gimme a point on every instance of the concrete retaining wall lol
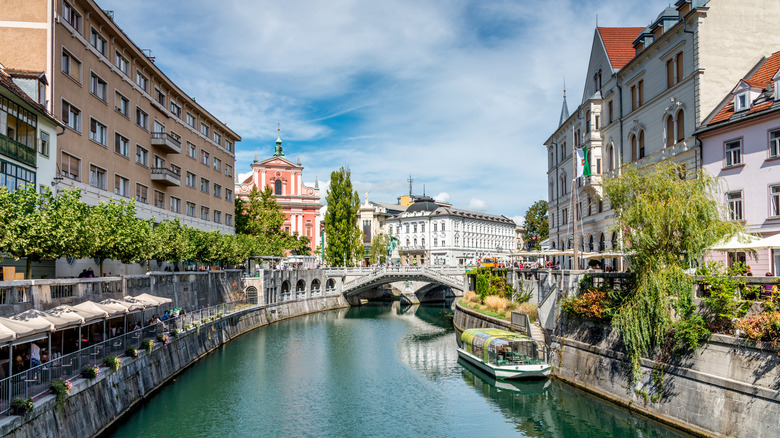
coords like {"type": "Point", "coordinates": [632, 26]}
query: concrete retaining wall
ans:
{"type": "Point", "coordinates": [96, 404]}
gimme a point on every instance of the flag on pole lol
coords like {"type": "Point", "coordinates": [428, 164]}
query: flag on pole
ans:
{"type": "Point", "coordinates": [583, 167]}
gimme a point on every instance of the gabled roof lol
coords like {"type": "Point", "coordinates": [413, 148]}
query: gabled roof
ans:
{"type": "Point", "coordinates": [758, 78]}
{"type": "Point", "coordinates": [7, 81]}
{"type": "Point", "coordinates": [619, 44]}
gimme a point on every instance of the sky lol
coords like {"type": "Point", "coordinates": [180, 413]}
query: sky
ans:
{"type": "Point", "coordinates": [460, 95]}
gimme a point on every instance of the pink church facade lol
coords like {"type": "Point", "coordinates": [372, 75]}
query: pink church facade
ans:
{"type": "Point", "coordinates": [300, 203]}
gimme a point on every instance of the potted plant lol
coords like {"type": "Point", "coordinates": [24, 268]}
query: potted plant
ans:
{"type": "Point", "coordinates": [132, 352]}
{"type": "Point", "coordinates": [21, 406]}
{"type": "Point", "coordinates": [187, 327]}
{"type": "Point", "coordinates": [113, 362]}
{"type": "Point", "coordinates": [147, 345]}
{"type": "Point", "coordinates": [90, 371]}
{"type": "Point", "coordinates": [61, 388]}
{"type": "Point", "coordinates": [175, 333]}
{"type": "Point", "coordinates": [162, 337]}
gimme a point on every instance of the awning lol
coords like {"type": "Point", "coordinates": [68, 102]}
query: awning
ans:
{"type": "Point", "coordinates": [64, 317]}
{"type": "Point", "coordinates": [605, 255]}
{"type": "Point", "coordinates": [90, 311]}
{"type": "Point", "coordinates": [129, 307]}
{"type": "Point", "coordinates": [6, 334]}
{"type": "Point", "coordinates": [148, 300]}
{"type": "Point", "coordinates": [739, 242]}
{"type": "Point", "coordinates": [113, 309]}
{"type": "Point", "coordinates": [24, 328]}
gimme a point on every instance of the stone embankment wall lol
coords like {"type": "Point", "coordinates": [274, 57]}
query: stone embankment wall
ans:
{"type": "Point", "coordinates": [466, 318]}
{"type": "Point", "coordinates": [94, 405]}
{"type": "Point", "coordinates": [728, 388]}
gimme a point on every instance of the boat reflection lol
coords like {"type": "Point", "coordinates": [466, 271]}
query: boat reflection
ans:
{"type": "Point", "coordinates": [477, 377]}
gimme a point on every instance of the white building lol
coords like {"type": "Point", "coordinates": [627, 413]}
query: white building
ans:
{"type": "Point", "coordinates": [646, 92]}
{"type": "Point", "coordinates": [434, 234]}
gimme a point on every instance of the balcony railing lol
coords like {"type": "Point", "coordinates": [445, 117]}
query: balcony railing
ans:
{"type": "Point", "coordinates": [18, 151]}
{"type": "Point", "coordinates": [166, 176]}
{"type": "Point", "coordinates": [166, 141]}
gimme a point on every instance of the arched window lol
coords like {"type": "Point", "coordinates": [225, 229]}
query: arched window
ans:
{"type": "Point", "coordinates": [415, 241]}
{"type": "Point", "coordinates": [641, 144]}
{"type": "Point", "coordinates": [602, 247]}
{"type": "Point", "coordinates": [680, 125]}
{"type": "Point", "coordinates": [422, 242]}
{"type": "Point", "coordinates": [562, 188]}
{"type": "Point", "coordinates": [278, 187]}
{"type": "Point", "coordinates": [669, 131]}
{"type": "Point", "coordinates": [633, 148]}
{"type": "Point", "coordinates": [590, 243]}
{"type": "Point", "coordinates": [610, 157]}
{"type": "Point", "coordinates": [614, 241]}
{"type": "Point", "coordinates": [587, 121]}
{"type": "Point", "coordinates": [407, 242]}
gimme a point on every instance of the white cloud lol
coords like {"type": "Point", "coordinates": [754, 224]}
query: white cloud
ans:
{"type": "Point", "coordinates": [519, 220]}
{"type": "Point", "coordinates": [243, 176]}
{"type": "Point", "coordinates": [442, 197]}
{"type": "Point", "coordinates": [477, 205]}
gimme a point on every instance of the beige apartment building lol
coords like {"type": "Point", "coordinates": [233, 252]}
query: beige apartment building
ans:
{"type": "Point", "coordinates": [131, 132]}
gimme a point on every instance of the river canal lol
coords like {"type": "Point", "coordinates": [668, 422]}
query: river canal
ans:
{"type": "Point", "coordinates": [379, 371]}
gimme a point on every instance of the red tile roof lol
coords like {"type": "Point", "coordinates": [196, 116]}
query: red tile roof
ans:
{"type": "Point", "coordinates": [767, 70]}
{"type": "Point", "coordinates": [619, 42]}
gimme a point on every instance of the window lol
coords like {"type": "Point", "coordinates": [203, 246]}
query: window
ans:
{"type": "Point", "coordinates": [679, 62]}
{"type": "Point", "coordinates": [741, 102]}
{"type": "Point", "coordinates": [774, 197]}
{"type": "Point", "coordinates": [633, 148]}
{"type": "Point", "coordinates": [141, 155]}
{"type": "Point", "coordinates": [670, 73]}
{"type": "Point", "coordinates": [204, 213]}
{"type": "Point", "coordinates": [97, 131]}
{"type": "Point", "coordinates": [97, 41]}
{"type": "Point", "coordinates": [228, 195]}
{"type": "Point", "coordinates": [733, 152]}
{"type": "Point", "coordinates": [141, 193]}
{"type": "Point", "coordinates": [190, 209]}
{"type": "Point", "coordinates": [597, 122]}
{"type": "Point", "coordinates": [71, 16]}
{"type": "Point", "coordinates": [229, 220]}
{"type": "Point", "coordinates": [158, 127]}
{"type": "Point", "coordinates": [669, 131]}
{"type": "Point", "coordinates": [71, 66]}
{"type": "Point", "coordinates": [159, 199]}
{"type": "Point", "coordinates": [97, 177]}
{"type": "Point", "coordinates": [43, 148]}
{"type": "Point", "coordinates": [217, 190]}
{"type": "Point", "coordinates": [175, 204]}
{"type": "Point", "coordinates": [204, 129]}
{"type": "Point", "coordinates": [217, 164]}
{"type": "Point", "coordinates": [642, 144]}
{"type": "Point", "coordinates": [176, 169]}
{"type": "Point", "coordinates": [190, 181]}
{"type": "Point", "coordinates": [435, 226]}
{"type": "Point", "coordinates": [229, 168]}
{"type": "Point", "coordinates": [633, 97]}
{"type": "Point", "coordinates": [734, 200]}
{"type": "Point", "coordinates": [98, 87]}
{"type": "Point", "coordinates": [204, 185]}
{"type": "Point", "coordinates": [587, 121]}
{"type": "Point", "coordinates": [680, 125]}
{"type": "Point", "coordinates": [159, 96]}
{"type": "Point", "coordinates": [229, 146]}
{"type": "Point", "coordinates": [70, 166]}
{"type": "Point", "coordinates": [422, 227]}
{"type": "Point", "coordinates": [142, 81]}
{"type": "Point", "coordinates": [121, 63]}
{"type": "Point", "coordinates": [774, 143]}
{"type": "Point", "coordinates": [175, 109]}
{"type": "Point", "coordinates": [192, 151]}
{"type": "Point", "coordinates": [71, 116]}
{"type": "Point", "coordinates": [121, 185]}
{"type": "Point", "coordinates": [217, 216]}
{"type": "Point", "coordinates": [122, 104]}
{"type": "Point", "coordinates": [191, 120]}
{"type": "Point", "coordinates": [610, 112]}
{"type": "Point", "coordinates": [121, 145]}
{"type": "Point", "coordinates": [640, 89]}
{"type": "Point", "coordinates": [141, 118]}
{"type": "Point", "coordinates": [159, 162]}
{"type": "Point", "coordinates": [217, 139]}
{"type": "Point", "coordinates": [204, 157]}
{"type": "Point", "coordinates": [442, 227]}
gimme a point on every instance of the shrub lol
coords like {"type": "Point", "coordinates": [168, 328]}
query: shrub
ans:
{"type": "Point", "coordinates": [761, 327]}
{"type": "Point", "coordinates": [532, 310]}
{"type": "Point", "coordinates": [132, 352]}
{"type": "Point", "coordinates": [90, 371]}
{"type": "Point", "coordinates": [61, 388]}
{"type": "Point", "coordinates": [472, 297]}
{"type": "Point", "coordinates": [162, 337]}
{"type": "Point", "coordinates": [148, 345]}
{"type": "Point", "coordinates": [175, 333]}
{"type": "Point", "coordinates": [22, 405]}
{"type": "Point", "coordinates": [187, 327]}
{"type": "Point", "coordinates": [591, 304]}
{"type": "Point", "coordinates": [113, 362]}
{"type": "Point", "coordinates": [496, 304]}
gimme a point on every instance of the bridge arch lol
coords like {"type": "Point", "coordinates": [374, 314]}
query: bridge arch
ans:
{"type": "Point", "coordinates": [300, 286]}
{"type": "Point", "coordinates": [285, 287]}
{"type": "Point", "coordinates": [330, 284]}
{"type": "Point", "coordinates": [315, 284]}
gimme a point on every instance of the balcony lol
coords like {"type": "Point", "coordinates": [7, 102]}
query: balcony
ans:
{"type": "Point", "coordinates": [166, 176]}
{"type": "Point", "coordinates": [592, 185]}
{"type": "Point", "coordinates": [167, 142]}
{"type": "Point", "coordinates": [18, 151]}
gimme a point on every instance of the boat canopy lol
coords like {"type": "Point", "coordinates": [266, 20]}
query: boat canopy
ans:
{"type": "Point", "coordinates": [500, 347]}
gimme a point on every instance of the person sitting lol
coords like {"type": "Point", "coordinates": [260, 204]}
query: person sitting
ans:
{"type": "Point", "coordinates": [18, 365]}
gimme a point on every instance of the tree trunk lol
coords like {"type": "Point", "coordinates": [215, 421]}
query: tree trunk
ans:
{"type": "Point", "coordinates": [101, 267]}
{"type": "Point", "coordinates": [28, 269]}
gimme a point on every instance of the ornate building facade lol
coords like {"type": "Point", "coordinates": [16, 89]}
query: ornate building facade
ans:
{"type": "Point", "coordinates": [300, 203]}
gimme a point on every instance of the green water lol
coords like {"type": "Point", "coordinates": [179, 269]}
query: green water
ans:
{"type": "Point", "coordinates": [383, 371]}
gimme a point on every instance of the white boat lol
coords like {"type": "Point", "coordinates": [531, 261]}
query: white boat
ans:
{"type": "Point", "coordinates": [503, 354]}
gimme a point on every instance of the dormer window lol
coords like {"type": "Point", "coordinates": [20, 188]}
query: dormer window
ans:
{"type": "Point", "coordinates": [741, 102]}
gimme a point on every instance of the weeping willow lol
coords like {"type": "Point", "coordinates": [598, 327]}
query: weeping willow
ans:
{"type": "Point", "coordinates": [667, 222]}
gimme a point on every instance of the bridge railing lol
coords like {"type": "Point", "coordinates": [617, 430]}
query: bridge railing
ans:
{"type": "Point", "coordinates": [427, 271]}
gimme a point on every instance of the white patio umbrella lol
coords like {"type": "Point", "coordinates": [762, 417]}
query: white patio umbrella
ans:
{"type": "Point", "coordinates": [739, 242]}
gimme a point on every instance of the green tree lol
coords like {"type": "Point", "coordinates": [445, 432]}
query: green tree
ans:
{"type": "Point", "coordinates": [378, 250]}
{"type": "Point", "coordinates": [667, 224]}
{"type": "Point", "coordinates": [262, 217]}
{"type": "Point", "coordinates": [114, 233]}
{"type": "Point", "coordinates": [169, 241]}
{"type": "Point", "coordinates": [343, 236]}
{"type": "Point", "coordinates": [536, 225]}
{"type": "Point", "coordinates": [38, 226]}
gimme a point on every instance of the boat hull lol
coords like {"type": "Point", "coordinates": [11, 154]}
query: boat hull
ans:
{"type": "Point", "coordinates": [508, 371]}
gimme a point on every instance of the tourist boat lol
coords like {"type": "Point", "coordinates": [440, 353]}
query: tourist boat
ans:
{"type": "Point", "coordinates": [503, 354]}
{"type": "Point", "coordinates": [472, 374]}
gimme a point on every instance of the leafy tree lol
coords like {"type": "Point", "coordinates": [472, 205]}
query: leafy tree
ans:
{"type": "Point", "coordinates": [40, 225]}
{"type": "Point", "coordinates": [300, 244]}
{"type": "Point", "coordinates": [378, 250]}
{"type": "Point", "coordinates": [667, 224]}
{"type": "Point", "coordinates": [261, 216]}
{"type": "Point", "coordinates": [169, 241]}
{"type": "Point", "coordinates": [536, 225]}
{"type": "Point", "coordinates": [343, 236]}
{"type": "Point", "coordinates": [114, 233]}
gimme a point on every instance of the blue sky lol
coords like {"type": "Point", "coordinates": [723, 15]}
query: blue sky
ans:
{"type": "Point", "coordinates": [459, 94]}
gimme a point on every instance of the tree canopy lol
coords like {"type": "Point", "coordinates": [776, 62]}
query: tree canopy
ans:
{"type": "Point", "coordinates": [262, 217]}
{"type": "Point", "coordinates": [343, 245]}
{"type": "Point", "coordinates": [536, 225]}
